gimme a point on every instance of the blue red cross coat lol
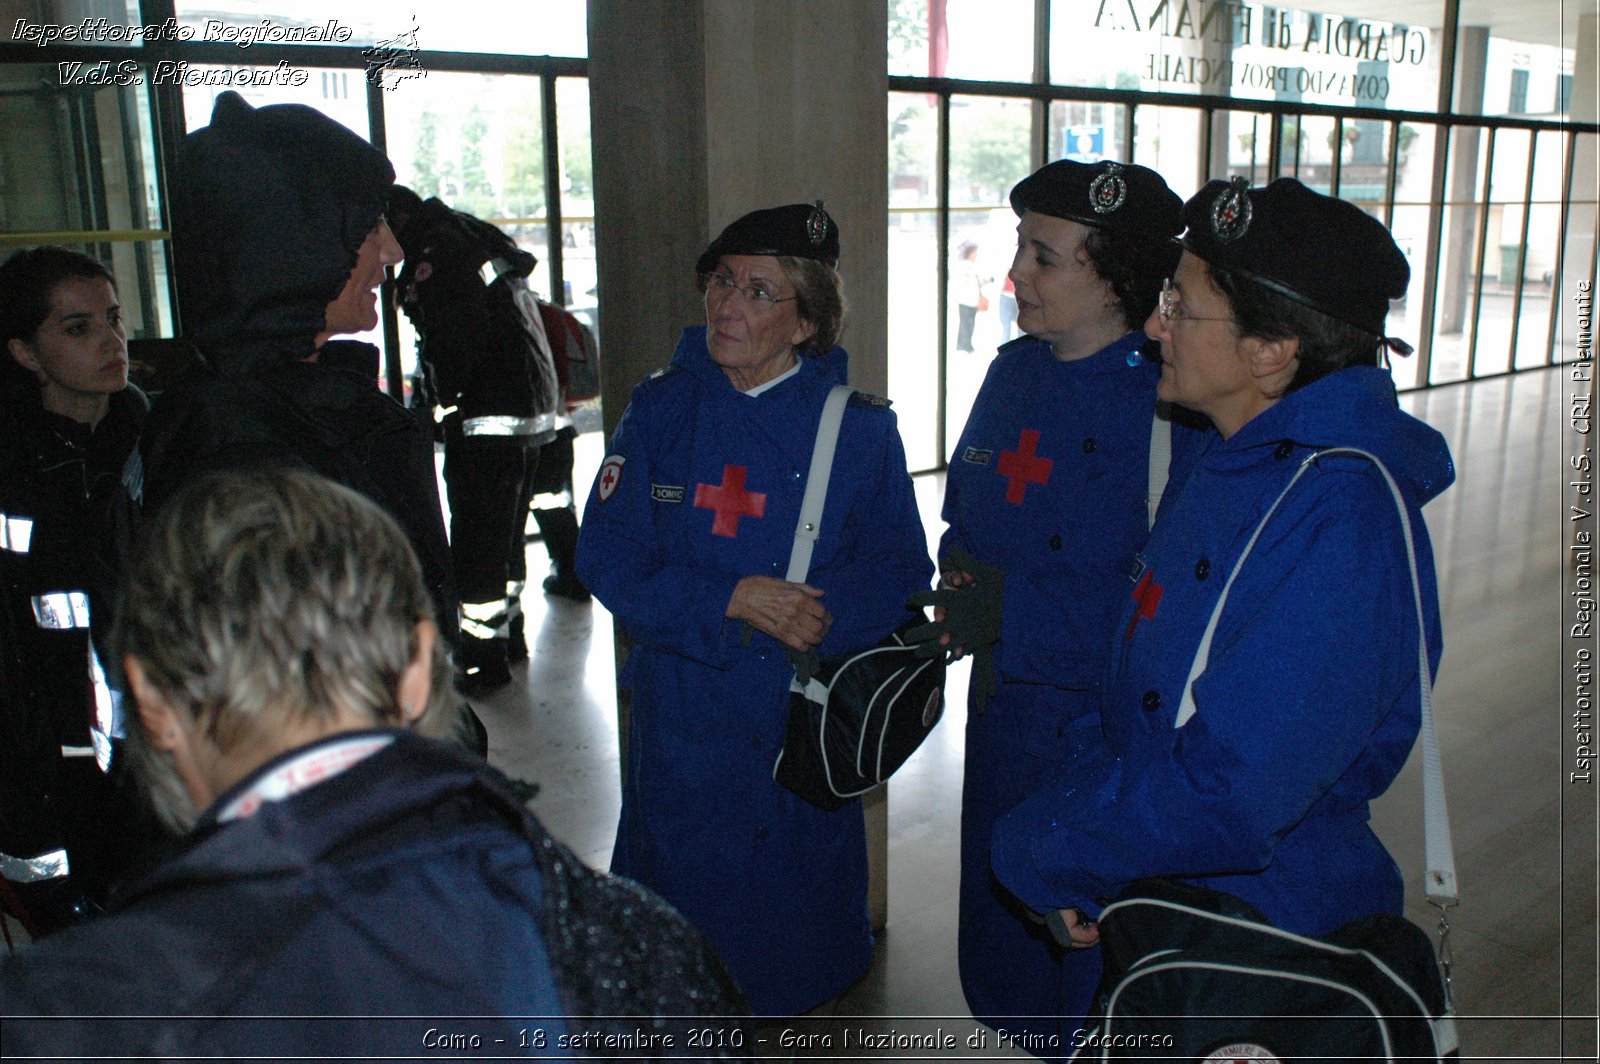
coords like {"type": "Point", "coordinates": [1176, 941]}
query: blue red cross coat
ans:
{"type": "Point", "coordinates": [701, 488]}
{"type": "Point", "coordinates": [1048, 482]}
{"type": "Point", "coordinates": [1309, 704]}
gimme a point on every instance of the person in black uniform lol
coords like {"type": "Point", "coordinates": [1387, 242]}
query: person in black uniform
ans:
{"type": "Point", "coordinates": [68, 419]}
{"type": "Point", "coordinates": [554, 504]}
{"type": "Point", "coordinates": [491, 379]}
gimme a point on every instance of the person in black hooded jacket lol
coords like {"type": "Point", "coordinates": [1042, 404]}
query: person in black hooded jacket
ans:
{"type": "Point", "coordinates": [280, 244]}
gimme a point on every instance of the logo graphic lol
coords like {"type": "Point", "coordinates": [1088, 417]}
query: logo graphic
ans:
{"type": "Point", "coordinates": [977, 456]}
{"type": "Point", "coordinates": [393, 60]}
{"type": "Point", "coordinates": [605, 484]}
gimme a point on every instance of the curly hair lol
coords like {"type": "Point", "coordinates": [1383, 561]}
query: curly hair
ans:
{"type": "Point", "coordinates": [1134, 266]}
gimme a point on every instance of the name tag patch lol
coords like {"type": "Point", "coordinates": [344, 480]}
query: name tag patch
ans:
{"type": "Point", "coordinates": [667, 492]}
{"type": "Point", "coordinates": [977, 456]}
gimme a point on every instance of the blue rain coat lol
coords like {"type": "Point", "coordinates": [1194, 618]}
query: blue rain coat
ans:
{"type": "Point", "coordinates": [1309, 704]}
{"type": "Point", "coordinates": [1048, 482]}
{"type": "Point", "coordinates": [701, 488]}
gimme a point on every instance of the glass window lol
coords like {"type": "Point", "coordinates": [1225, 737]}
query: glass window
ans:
{"type": "Point", "coordinates": [66, 22]}
{"type": "Point", "coordinates": [984, 40]}
{"type": "Point", "coordinates": [580, 273]}
{"type": "Point", "coordinates": [88, 181]}
{"type": "Point", "coordinates": [913, 323]}
{"type": "Point", "coordinates": [1346, 56]}
{"type": "Point", "coordinates": [518, 27]}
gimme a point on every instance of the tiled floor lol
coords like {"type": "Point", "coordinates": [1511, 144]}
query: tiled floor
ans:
{"type": "Point", "coordinates": [1524, 937]}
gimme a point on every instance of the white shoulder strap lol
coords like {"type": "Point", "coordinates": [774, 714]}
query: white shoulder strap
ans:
{"type": "Point", "coordinates": [1160, 463]}
{"type": "Point", "coordinates": [806, 532]}
{"type": "Point", "coordinates": [1440, 879]}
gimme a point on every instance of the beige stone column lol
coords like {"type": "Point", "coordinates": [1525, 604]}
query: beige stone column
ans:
{"type": "Point", "coordinates": [702, 110]}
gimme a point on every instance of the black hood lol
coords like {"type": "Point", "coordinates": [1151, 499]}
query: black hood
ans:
{"type": "Point", "coordinates": [270, 207]}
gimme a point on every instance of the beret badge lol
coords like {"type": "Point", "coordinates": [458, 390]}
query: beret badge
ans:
{"type": "Point", "coordinates": [1109, 189]}
{"type": "Point", "coordinates": [817, 224]}
{"type": "Point", "coordinates": [1230, 211]}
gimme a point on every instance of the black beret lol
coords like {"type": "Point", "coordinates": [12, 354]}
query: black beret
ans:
{"type": "Point", "coordinates": [800, 230]}
{"type": "Point", "coordinates": [1104, 194]}
{"type": "Point", "coordinates": [1328, 254]}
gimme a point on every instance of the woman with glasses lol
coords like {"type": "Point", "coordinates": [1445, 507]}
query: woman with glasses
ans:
{"type": "Point", "coordinates": [686, 539]}
{"type": "Point", "coordinates": [1047, 501]}
{"type": "Point", "coordinates": [1273, 328]}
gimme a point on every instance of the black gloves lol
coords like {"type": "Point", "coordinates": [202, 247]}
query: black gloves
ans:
{"type": "Point", "coordinates": [971, 620]}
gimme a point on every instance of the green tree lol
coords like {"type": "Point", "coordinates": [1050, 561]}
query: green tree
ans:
{"type": "Point", "coordinates": [476, 195]}
{"type": "Point", "coordinates": [908, 35]}
{"type": "Point", "coordinates": [523, 158]}
{"type": "Point", "coordinates": [988, 152]}
{"type": "Point", "coordinates": [430, 176]}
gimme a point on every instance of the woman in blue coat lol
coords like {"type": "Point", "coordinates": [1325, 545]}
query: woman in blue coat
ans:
{"type": "Point", "coordinates": [686, 539]}
{"type": "Point", "coordinates": [1048, 498]}
{"type": "Point", "coordinates": [1273, 327]}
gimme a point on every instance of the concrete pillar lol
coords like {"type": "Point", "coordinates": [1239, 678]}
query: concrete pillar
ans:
{"type": "Point", "coordinates": [702, 110]}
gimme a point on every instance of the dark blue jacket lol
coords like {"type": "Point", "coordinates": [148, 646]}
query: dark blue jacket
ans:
{"type": "Point", "coordinates": [701, 488]}
{"type": "Point", "coordinates": [411, 888]}
{"type": "Point", "coordinates": [1309, 704]}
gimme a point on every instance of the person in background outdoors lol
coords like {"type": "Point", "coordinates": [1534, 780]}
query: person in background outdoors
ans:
{"type": "Point", "coordinates": [1272, 327]}
{"type": "Point", "coordinates": [492, 384]}
{"type": "Point", "coordinates": [685, 537]}
{"type": "Point", "coordinates": [554, 505]}
{"type": "Point", "coordinates": [335, 863]}
{"type": "Point", "coordinates": [1047, 502]}
{"type": "Point", "coordinates": [68, 420]}
{"type": "Point", "coordinates": [280, 244]}
{"type": "Point", "coordinates": [1008, 308]}
{"type": "Point", "coordinates": [969, 283]}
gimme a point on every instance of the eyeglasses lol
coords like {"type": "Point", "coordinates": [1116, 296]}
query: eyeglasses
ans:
{"type": "Point", "coordinates": [756, 295]}
{"type": "Point", "coordinates": [1171, 310]}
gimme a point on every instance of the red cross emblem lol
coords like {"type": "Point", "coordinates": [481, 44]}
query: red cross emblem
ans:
{"type": "Point", "coordinates": [610, 477]}
{"type": "Point", "coordinates": [1022, 467]}
{"type": "Point", "coordinates": [730, 501]}
{"type": "Point", "coordinates": [1147, 593]}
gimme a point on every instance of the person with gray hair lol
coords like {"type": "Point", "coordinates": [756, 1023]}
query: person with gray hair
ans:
{"type": "Point", "coordinates": [336, 863]}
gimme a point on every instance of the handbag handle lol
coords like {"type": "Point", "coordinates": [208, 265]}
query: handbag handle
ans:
{"type": "Point", "coordinates": [807, 531]}
{"type": "Point", "coordinates": [1439, 880]}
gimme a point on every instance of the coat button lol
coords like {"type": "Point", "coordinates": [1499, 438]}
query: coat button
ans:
{"type": "Point", "coordinates": [1202, 569]}
{"type": "Point", "coordinates": [1055, 542]}
{"type": "Point", "coordinates": [1088, 445]}
{"type": "Point", "coordinates": [1285, 449]}
{"type": "Point", "coordinates": [761, 833]}
{"type": "Point", "coordinates": [1152, 701]}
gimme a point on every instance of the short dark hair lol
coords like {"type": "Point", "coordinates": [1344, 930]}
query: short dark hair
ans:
{"type": "Point", "coordinates": [1327, 344]}
{"type": "Point", "coordinates": [1134, 266]}
{"type": "Point", "coordinates": [28, 279]}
